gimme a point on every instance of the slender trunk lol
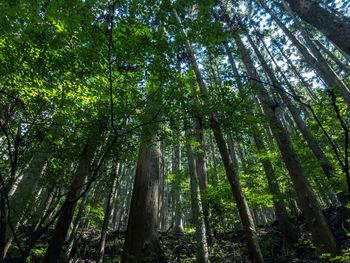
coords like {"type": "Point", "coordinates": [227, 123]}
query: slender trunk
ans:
{"type": "Point", "coordinates": [33, 169]}
{"type": "Point", "coordinates": [296, 114]}
{"type": "Point", "coordinates": [302, 80]}
{"type": "Point", "coordinates": [202, 172]}
{"type": "Point", "coordinates": [340, 64]}
{"type": "Point", "coordinates": [46, 204]}
{"type": "Point", "coordinates": [214, 176]}
{"type": "Point", "coordinates": [335, 28]}
{"type": "Point", "coordinates": [123, 216]}
{"type": "Point", "coordinates": [324, 71]}
{"type": "Point", "coordinates": [72, 236]}
{"type": "Point", "coordinates": [197, 212]}
{"type": "Point", "coordinates": [65, 218]}
{"type": "Point", "coordinates": [162, 197]}
{"type": "Point", "coordinates": [242, 205]}
{"type": "Point", "coordinates": [314, 50]}
{"type": "Point", "coordinates": [318, 226]}
{"type": "Point", "coordinates": [287, 228]}
{"type": "Point", "coordinates": [291, 88]}
{"type": "Point", "coordinates": [107, 216]}
{"type": "Point", "coordinates": [178, 224]}
{"type": "Point", "coordinates": [246, 218]}
{"type": "Point", "coordinates": [22, 200]}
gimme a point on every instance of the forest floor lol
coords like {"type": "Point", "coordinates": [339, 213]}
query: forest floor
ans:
{"type": "Point", "coordinates": [225, 247]}
{"type": "Point", "coordinates": [230, 246]}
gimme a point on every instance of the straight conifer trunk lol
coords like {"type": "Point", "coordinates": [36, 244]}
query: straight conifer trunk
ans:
{"type": "Point", "coordinates": [197, 211]}
{"type": "Point", "coordinates": [116, 173]}
{"type": "Point", "coordinates": [295, 112]}
{"type": "Point", "coordinates": [323, 70]}
{"type": "Point", "coordinates": [176, 198]}
{"type": "Point", "coordinates": [142, 237]}
{"type": "Point", "coordinates": [335, 28]}
{"type": "Point", "coordinates": [202, 173]}
{"type": "Point", "coordinates": [141, 242]}
{"type": "Point", "coordinates": [302, 80]}
{"type": "Point", "coordinates": [287, 228]}
{"type": "Point", "coordinates": [64, 220]}
{"type": "Point", "coordinates": [242, 205]}
{"type": "Point", "coordinates": [321, 233]}
{"type": "Point", "coordinates": [332, 56]}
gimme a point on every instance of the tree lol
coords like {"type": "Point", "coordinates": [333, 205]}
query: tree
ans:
{"type": "Point", "coordinates": [334, 27]}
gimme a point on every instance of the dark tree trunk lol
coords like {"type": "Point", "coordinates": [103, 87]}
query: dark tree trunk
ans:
{"type": "Point", "coordinates": [176, 197]}
{"type": "Point", "coordinates": [242, 205]}
{"type": "Point", "coordinates": [141, 242]}
{"type": "Point", "coordinates": [108, 210]}
{"type": "Point", "coordinates": [296, 114]}
{"type": "Point", "coordinates": [318, 226]}
{"type": "Point", "coordinates": [197, 211]}
{"type": "Point", "coordinates": [335, 28]}
{"type": "Point", "coordinates": [323, 70]}
{"type": "Point", "coordinates": [287, 228]}
{"type": "Point", "coordinates": [201, 169]}
{"type": "Point", "coordinates": [333, 57]}
{"type": "Point", "coordinates": [64, 220]}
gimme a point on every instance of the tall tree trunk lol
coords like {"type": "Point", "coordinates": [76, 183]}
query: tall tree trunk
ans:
{"type": "Point", "coordinates": [65, 218]}
{"type": "Point", "coordinates": [162, 197]}
{"type": "Point", "coordinates": [296, 114]}
{"type": "Point", "coordinates": [312, 46]}
{"type": "Point", "coordinates": [335, 28]}
{"type": "Point", "coordinates": [340, 64]}
{"type": "Point", "coordinates": [141, 241]}
{"type": "Point", "coordinates": [197, 212]}
{"type": "Point", "coordinates": [323, 70]}
{"type": "Point", "coordinates": [318, 226]}
{"type": "Point", "coordinates": [214, 179]}
{"type": "Point", "coordinates": [202, 171]}
{"type": "Point", "coordinates": [242, 205]}
{"type": "Point", "coordinates": [32, 170]}
{"type": "Point", "coordinates": [287, 228]}
{"type": "Point", "coordinates": [25, 198]}
{"type": "Point", "coordinates": [116, 173]}
{"type": "Point", "coordinates": [73, 234]}
{"type": "Point", "coordinates": [178, 224]}
{"type": "Point", "coordinates": [302, 80]}
{"type": "Point", "coordinates": [123, 215]}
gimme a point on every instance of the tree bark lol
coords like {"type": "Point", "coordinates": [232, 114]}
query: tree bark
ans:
{"type": "Point", "coordinates": [340, 64]}
{"type": "Point", "coordinates": [20, 201]}
{"type": "Point", "coordinates": [321, 233]}
{"type": "Point", "coordinates": [142, 241]}
{"type": "Point", "coordinates": [322, 69]}
{"type": "Point", "coordinates": [242, 205]}
{"type": "Point", "coordinates": [202, 171]}
{"type": "Point", "coordinates": [302, 80]}
{"type": "Point", "coordinates": [296, 114]}
{"type": "Point", "coordinates": [197, 212]}
{"type": "Point", "coordinates": [287, 228]}
{"type": "Point", "coordinates": [64, 220]}
{"type": "Point", "coordinates": [335, 28]}
{"type": "Point", "coordinates": [178, 224]}
{"type": "Point", "coordinates": [108, 210]}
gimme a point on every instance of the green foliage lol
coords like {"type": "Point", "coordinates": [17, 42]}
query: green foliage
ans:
{"type": "Point", "coordinates": [305, 243]}
{"type": "Point", "coordinates": [68, 66]}
{"type": "Point", "coordinates": [95, 215]}
{"type": "Point", "coordinates": [219, 198]}
{"type": "Point", "coordinates": [344, 256]}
